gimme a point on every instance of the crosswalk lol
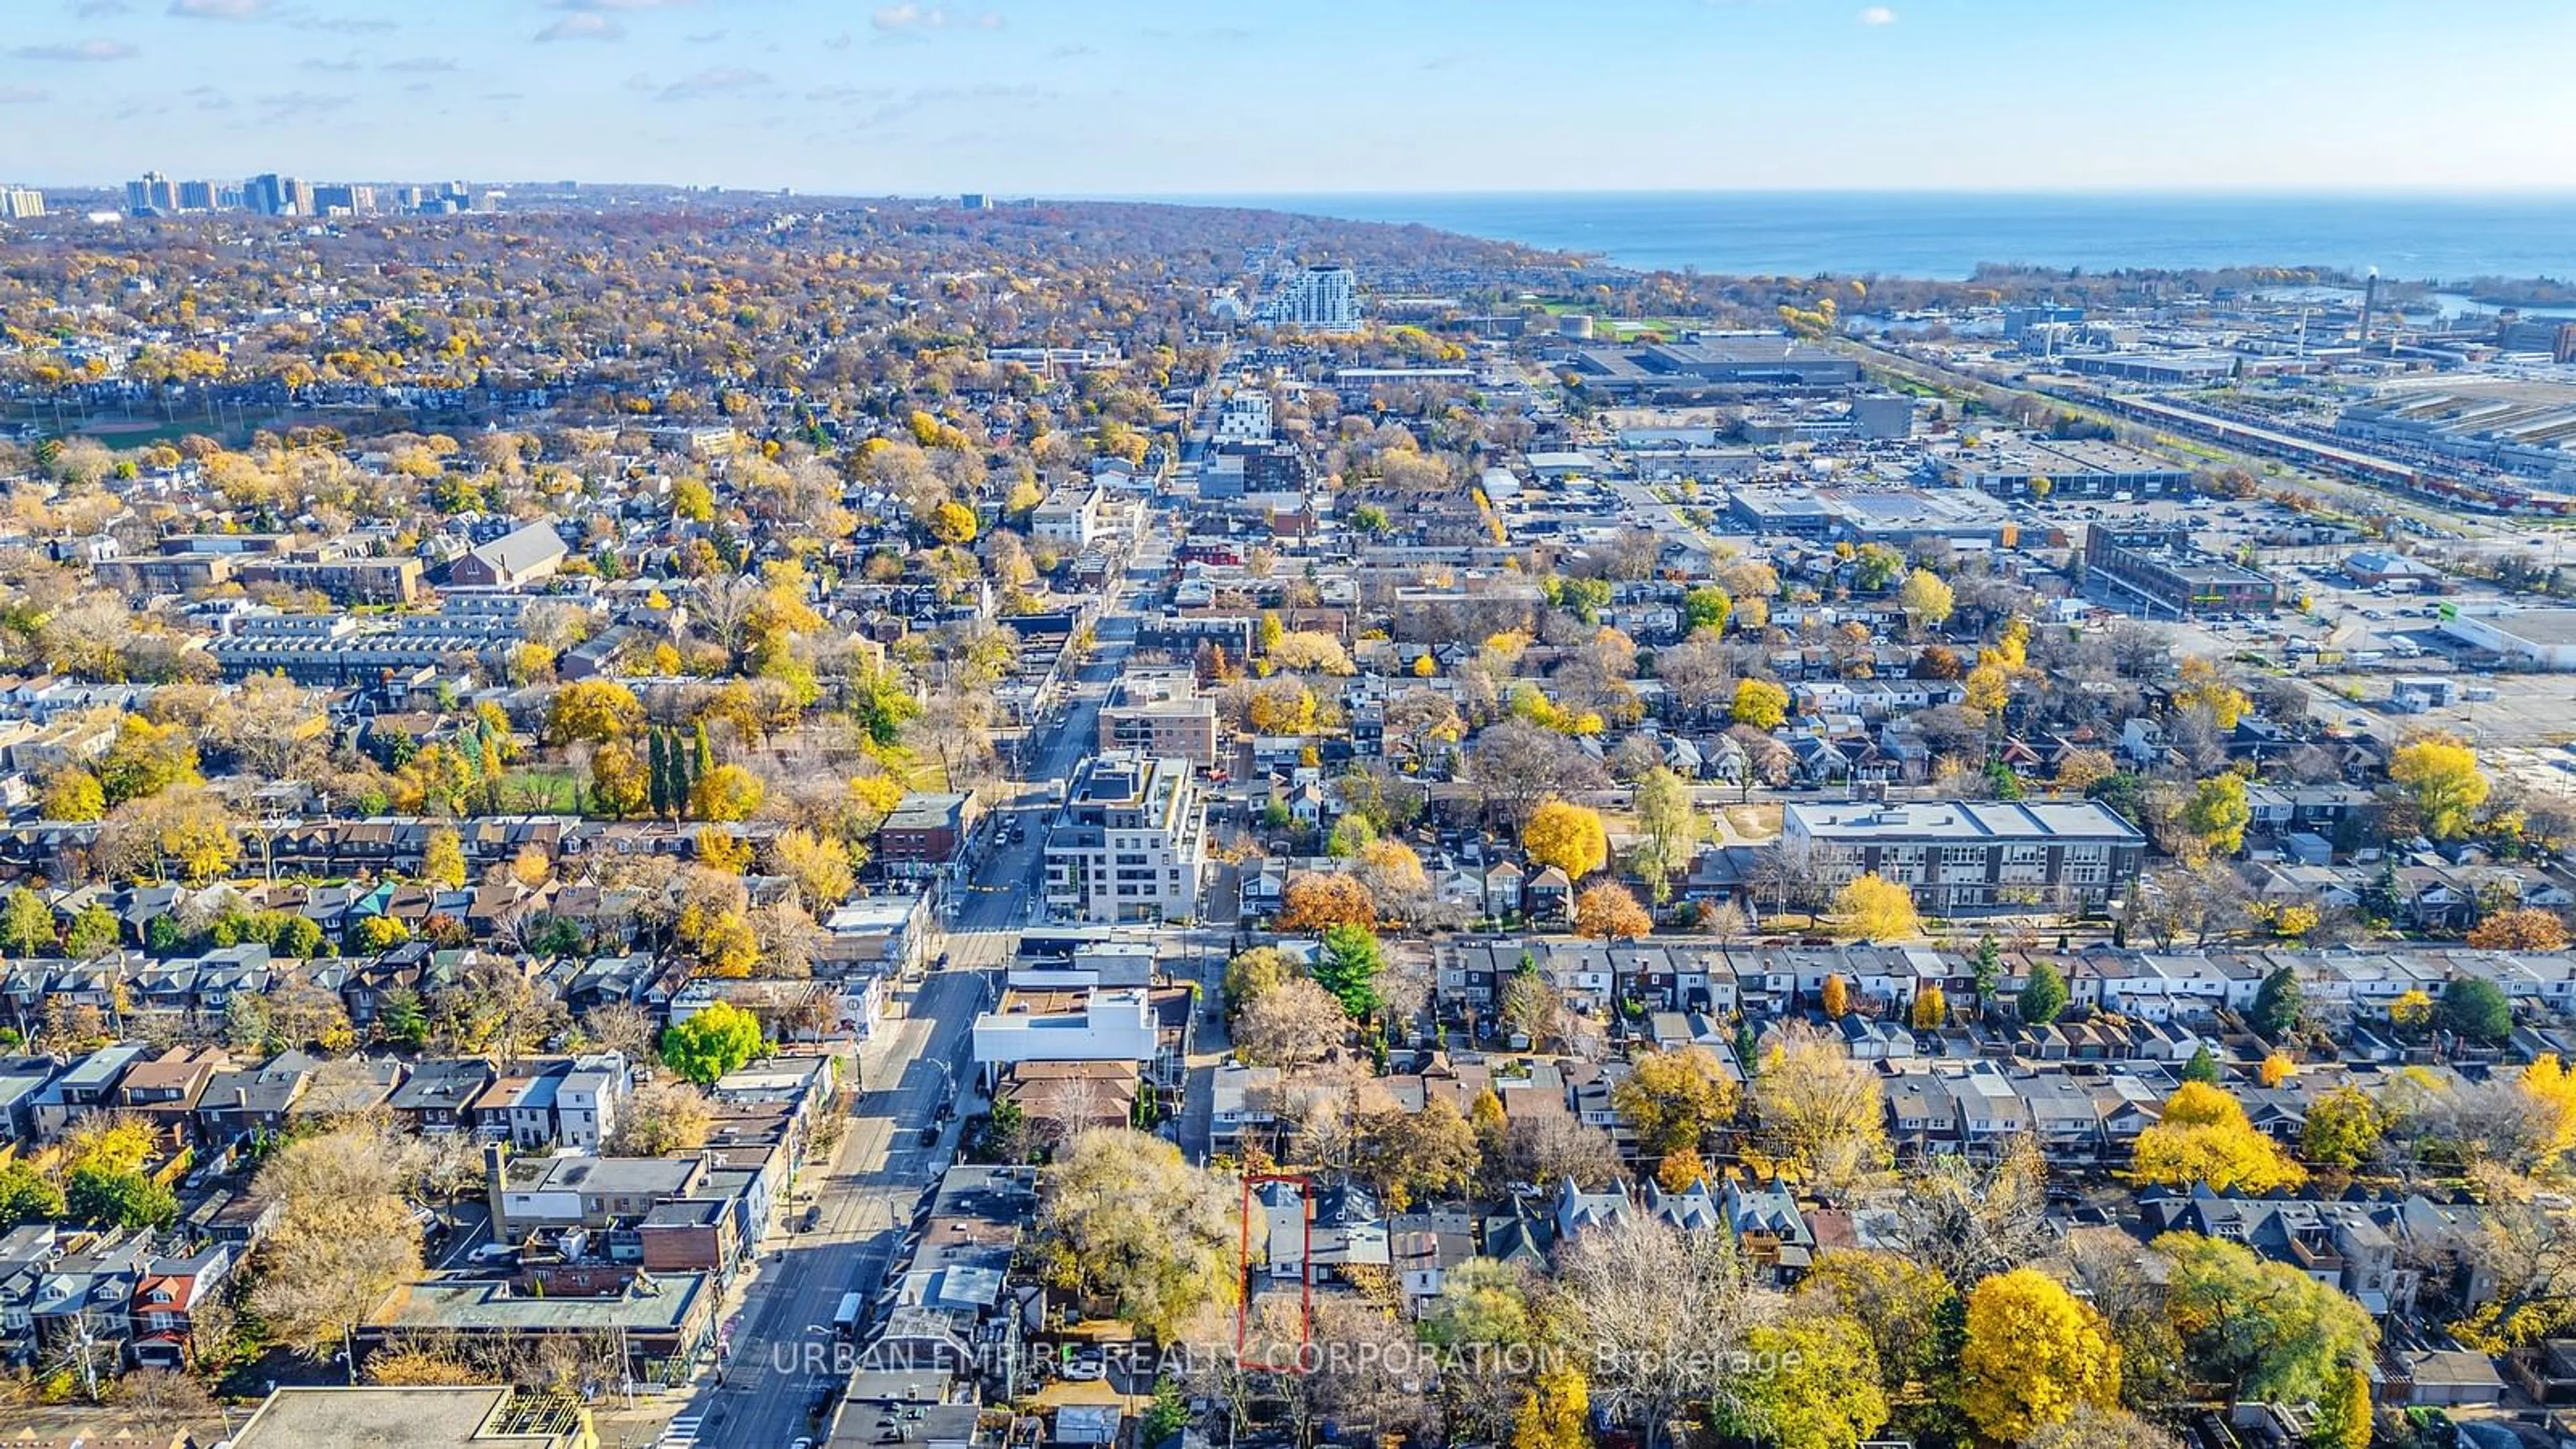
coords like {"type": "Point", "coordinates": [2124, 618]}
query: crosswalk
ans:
{"type": "Point", "coordinates": [682, 1432]}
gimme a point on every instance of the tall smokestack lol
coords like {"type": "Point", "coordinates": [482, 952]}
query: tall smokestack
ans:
{"type": "Point", "coordinates": [2369, 306]}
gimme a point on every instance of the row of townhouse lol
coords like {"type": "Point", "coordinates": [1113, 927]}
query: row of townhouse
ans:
{"type": "Point", "coordinates": [115, 1299]}
{"type": "Point", "coordinates": [205, 1099]}
{"type": "Point", "coordinates": [1721, 978]}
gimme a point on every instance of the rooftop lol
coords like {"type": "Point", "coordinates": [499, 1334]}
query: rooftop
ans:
{"type": "Point", "coordinates": [1959, 820]}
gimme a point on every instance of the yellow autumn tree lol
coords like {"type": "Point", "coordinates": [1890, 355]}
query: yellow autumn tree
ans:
{"type": "Point", "coordinates": [442, 860]}
{"type": "Point", "coordinates": [2201, 686]}
{"type": "Point", "coordinates": [1555, 1410]}
{"type": "Point", "coordinates": [2204, 1136]}
{"type": "Point", "coordinates": [1836, 998]}
{"type": "Point", "coordinates": [1566, 836]}
{"type": "Point", "coordinates": [1931, 1008]}
{"type": "Point", "coordinates": [2276, 1069]}
{"type": "Point", "coordinates": [2550, 1085]}
{"type": "Point", "coordinates": [2034, 1355]}
{"type": "Point", "coordinates": [1760, 703]}
{"type": "Point", "coordinates": [2440, 775]}
{"type": "Point", "coordinates": [1869, 908]}
{"type": "Point", "coordinates": [726, 793]}
{"type": "Point", "coordinates": [2410, 1011]}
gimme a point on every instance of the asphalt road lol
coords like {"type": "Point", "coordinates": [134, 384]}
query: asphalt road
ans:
{"type": "Point", "coordinates": [779, 1362]}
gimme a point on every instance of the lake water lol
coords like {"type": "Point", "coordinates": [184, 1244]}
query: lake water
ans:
{"type": "Point", "coordinates": [1924, 234]}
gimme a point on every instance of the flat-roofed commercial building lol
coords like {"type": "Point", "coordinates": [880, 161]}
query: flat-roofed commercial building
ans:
{"type": "Point", "coordinates": [1962, 856]}
{"type": "Point", "coordinates": [1130, 842]}
{"type": "Point", "coordinates": [2074, 468]}
{"type": "Point", "coordinates": [2156, 565]}
{"type": "Point", "coordinates": [1161, 713]}
{"type": "Point", "coordinates": [2541, 638]}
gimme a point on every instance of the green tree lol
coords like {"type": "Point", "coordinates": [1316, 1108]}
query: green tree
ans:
{"type": "Point", "coordinates": [2264, 1329]}
{"type": "Point", "coordinates": [2472, 1007]}
{"type": "Point", "coordinates": [658, 762]}
{"type": "Point", "coordinates": [1672, 827]}
{"type": "Point", "coordinates": [1876, 568]}
{"type": "Point", "coordinates": [2044, 996]}
{"type": "Point", "coordinates": [26, 924]}
{"type": "Point", "coordinates": [114, 1197]}
{"type": "Point", "coordinates": [1988, 965]}
{"type": "Point", "coordinates": [26, 1196]}
{"type": "Point", "coordinates": [711, 1042]}
{"type": "Point", "coordinates": [298, 938]}
{"type": "Point", "coordinates": [94, 932]}
{"type": "Point", "coordinates": [403, 1021]}
{"type": "Point", "coordinates": [2278, 1004]}
{"type": "Point", "coordinates": [1706, 607]}
{"type": "Point", "coordinates": [1348, 967]}
{"type": "Point", "coordinates": [2202, 1068]}
{"type": "Point", "coordinates": [1170, 1411]}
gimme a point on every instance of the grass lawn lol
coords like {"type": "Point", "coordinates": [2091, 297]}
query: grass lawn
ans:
{"type": "Point", "coordinates": [1752, 823]}
{"type": "Point", "coordinates": [541, 790]}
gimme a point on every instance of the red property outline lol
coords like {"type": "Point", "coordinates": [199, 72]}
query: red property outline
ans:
{"type": "Point", "coordinates": [1305, 1274]}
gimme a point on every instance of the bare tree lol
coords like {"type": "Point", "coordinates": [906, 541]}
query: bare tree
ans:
{"type": "Point", "coordinates": [1516, 765]}
{"type": "Point", "coordinates": [623, 1027]}
{"type": "Point", "coordinates": [1664, 1309]}
{"type": "Point", "coordinates": [1291, 1026]}
{"type": "Point", "coordinates": [1970, 1221]}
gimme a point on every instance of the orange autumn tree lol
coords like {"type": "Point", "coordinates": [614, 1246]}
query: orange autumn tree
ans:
{"type": "Point", "coordinates": [1316, 901]}
{"type": "Point", "coordinates": [1608, 912]}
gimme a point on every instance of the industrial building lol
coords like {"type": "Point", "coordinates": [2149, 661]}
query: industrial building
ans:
{"type": "Point", "coordinates": [2154, 568]}
{"type": "Point", "coordinates": [1709, 360]}
{"type": "Point", "coordinates": [2160, 369]}
{"type": "Point", "coordinates": [2518, 427]}
{"type": "Point", "coordinates": [2006, 467]}
{"type": "Point", "coordinates": [2538, 638]}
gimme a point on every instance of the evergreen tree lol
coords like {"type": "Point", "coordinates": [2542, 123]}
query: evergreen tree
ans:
{"type": "Point", "coordinates": [2045, 996]}
{"type": "Point", "coordinates": [2202, 1067]}
{"type": "Point", "coordinates": [705, 763]}
{"type": "Point", "coordinates": [658, 765]}
{"type": "Point", "coordinates": [2278, 1004]}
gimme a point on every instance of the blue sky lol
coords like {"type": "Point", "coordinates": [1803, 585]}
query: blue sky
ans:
{"type": "Point", "coordinates": [1158, 97]}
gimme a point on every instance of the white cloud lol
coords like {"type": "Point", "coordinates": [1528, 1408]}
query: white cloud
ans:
{"type": "Point", "coordinates": [1878, 15]}
{"type": "Point", "coordinates": [81, 50]}
{"type": "Point", "coordinates": [583, 26]}
{"type": "Point", "coordinates": [714, 81]}
{"type": "Point", "coordinates": [20, 95]}
{"type": "Point", "coordinates": [219, 9]}
{"type": "Point", "coordinates": [911, 16]}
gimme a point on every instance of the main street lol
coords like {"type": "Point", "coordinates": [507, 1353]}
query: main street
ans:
{"type": "Point", "coordinates": [778, 1365]}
